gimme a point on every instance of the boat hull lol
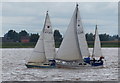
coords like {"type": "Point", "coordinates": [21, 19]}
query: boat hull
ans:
{"type": "Point", "coordinates": [38, 66]}
{"type": "Point", "coordinates": [93, 63]}
{"type": "Point", "coordinates": [71, 66]}
{"type": "Point", "coordinates": [97, 64]}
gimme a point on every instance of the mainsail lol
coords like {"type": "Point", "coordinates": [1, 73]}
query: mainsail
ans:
{"type": "Point", "coordinates": [97, 45]}
{"type": "Point", "coordinates": [81, 37]}
{"type": "Point", "coordinates": [69, 49]}
{"type": "Point", "coordinates": [45, 48]}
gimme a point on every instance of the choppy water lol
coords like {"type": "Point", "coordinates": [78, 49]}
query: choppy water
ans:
{"type": "Point", "coordinates": [13, 68]}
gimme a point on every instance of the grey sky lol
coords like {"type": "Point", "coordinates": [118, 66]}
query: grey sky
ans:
{"type": "Point", "coordinates": [30, 16]}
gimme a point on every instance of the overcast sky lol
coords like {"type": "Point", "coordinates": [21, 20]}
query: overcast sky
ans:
{"type": "Point", "coordinates": [30, 16]}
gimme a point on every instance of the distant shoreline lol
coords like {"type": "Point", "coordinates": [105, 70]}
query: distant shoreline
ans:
{"type": "Point", "coordinates": [32, 44]}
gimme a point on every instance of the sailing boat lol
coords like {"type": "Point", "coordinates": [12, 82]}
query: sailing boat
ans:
{"type": "Point", "coordinates": [44, 52]}
{"type": "Point", "coordinates": [97, 50]}
{"type": "Point", "coordinates": [74, 45]}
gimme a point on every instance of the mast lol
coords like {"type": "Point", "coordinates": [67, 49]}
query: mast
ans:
{"type": "Point", "coordinates": [69, 49]}
{"type": "Point", "coordinates": [97, 45]}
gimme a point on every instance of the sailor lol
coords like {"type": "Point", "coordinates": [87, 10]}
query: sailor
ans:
{"type": "Point", "coordinates": [53, 62]}
{"type": "Point", "coordinates": [100, 59]}
{"type": "Point", "coordinates": [93, 60]}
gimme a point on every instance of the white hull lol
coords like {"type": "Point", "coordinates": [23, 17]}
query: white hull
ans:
{"type": "Point", "coordinates": [77, 67]}
{"type": "Point", "coordinates": [72, 65]}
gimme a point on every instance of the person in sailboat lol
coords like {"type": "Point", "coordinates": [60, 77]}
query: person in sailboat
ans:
{"type": "Point", "coordinates": [52, 62]}
{"type": "Point", "coordinates": [100, 59]}
{"type": "Point", "coordinates": [93, 60]}
{"type": "Point", "coordinates": [98, 62]}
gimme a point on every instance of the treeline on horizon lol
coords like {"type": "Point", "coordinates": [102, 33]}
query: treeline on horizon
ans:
{"type": "Point", "coordinates": [106, 39]}
{"type": "Point", "coordinates": [16, 36]}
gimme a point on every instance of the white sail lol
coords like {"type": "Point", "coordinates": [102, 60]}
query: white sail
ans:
{"type": "Point", "coordinates": [45, 48]}
{"type": "Point", "coordinates": [69, 49]}
{"type": "Point", "coordinates": [97, 45]}
{"type": "Point", "coordinates": [49, 45]}
{"type": "Point", "coordinates": [38, 54]}
{"type": "Point", "coordinates": [81, 37]}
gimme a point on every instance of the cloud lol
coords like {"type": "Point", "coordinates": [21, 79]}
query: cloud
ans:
{"type": "Point", "coordinates": [60, 21]}
{"type": "Point", "coordinates": [31, 15]}
{"type": "Point", "coordinates": [17, 20]}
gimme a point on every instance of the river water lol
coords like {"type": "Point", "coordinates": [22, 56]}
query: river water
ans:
{"type": "Point", "coordinates": [13, 68]}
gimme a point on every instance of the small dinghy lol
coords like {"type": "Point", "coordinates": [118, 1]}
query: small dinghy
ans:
{"type": "Point", "coordinates": [44, 52]}
{"type": "Point", "coordinates": [96, 52]}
